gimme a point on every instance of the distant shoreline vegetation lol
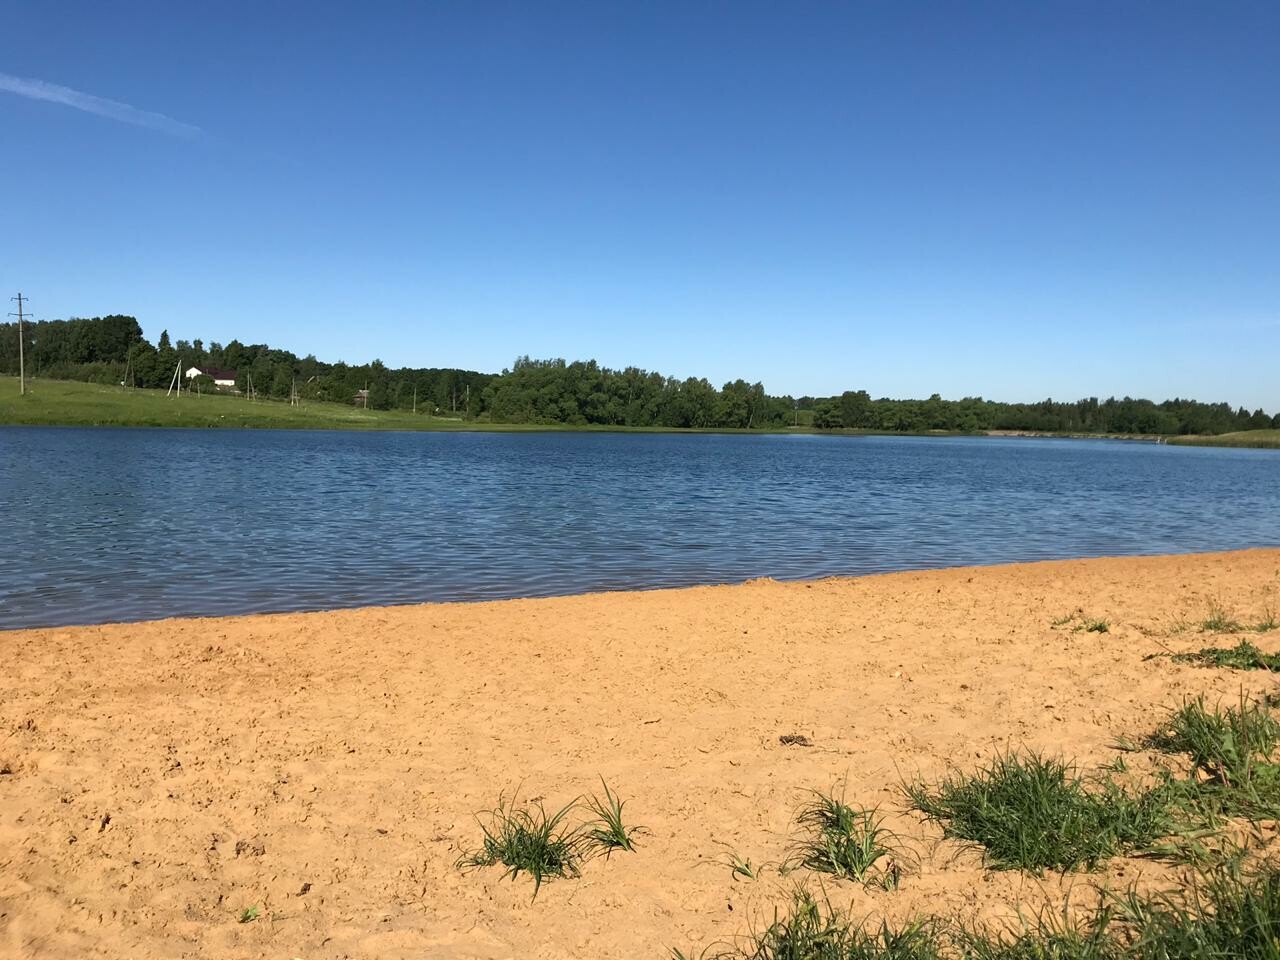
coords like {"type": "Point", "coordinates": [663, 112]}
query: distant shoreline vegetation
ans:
{"type": "Point", "coordinates": [112, 350]}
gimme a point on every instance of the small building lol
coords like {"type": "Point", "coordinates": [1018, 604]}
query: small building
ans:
{"type": "Point", "coordinates": [361, 399]}
{"type": "Point", "coordinates": [222, 379]}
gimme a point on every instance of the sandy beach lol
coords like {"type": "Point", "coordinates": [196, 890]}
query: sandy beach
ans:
{"type": "Point", "coordinates": [158, 779]}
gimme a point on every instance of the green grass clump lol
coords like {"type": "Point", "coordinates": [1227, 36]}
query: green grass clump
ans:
{"type": "Point", "coordinates": [526, 839]}
{"type": "Point", "coordinates": [529, 840]}
{"type": "Point", "coordinates": [1243, 656]}
{"type": "Point", "coordinates": [1032, 946]}
{"type": "Point", "coordinates": [812, 929]}
{"type": "Point", "coordinates": [1230, 913]}
{"type": "Point", "coordinates": [1083, 623]}
{"type": "Point", "coordinates": [1223, 743]}
{"type": "Point", "coordinates": [844, 841]}
{"type": "Point", "coordinates": [608, 832]}
{"type": "Point", "coordinates": [1231, 754]}
{"type": "Point", "coordinates": [1045, 939]}
{"type": "Point", "coordinates": [1227, 914]}
{"type": "Point", "coordinates": [1031, 812]}
{"type": "Point", "coordinates": [1219, 621]}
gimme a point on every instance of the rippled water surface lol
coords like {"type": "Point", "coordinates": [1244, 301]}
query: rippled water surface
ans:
{"type": "Point", "coordinates": [104, 524]}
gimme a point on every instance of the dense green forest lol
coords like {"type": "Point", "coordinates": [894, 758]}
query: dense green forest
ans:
{"type": "Point", "coordinates": [856, 409]}
{"type": "Point", "coordinates": [113, 350]}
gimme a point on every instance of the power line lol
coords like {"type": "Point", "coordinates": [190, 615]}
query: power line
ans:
{"type": "Point", "coordinates": [22, 367]}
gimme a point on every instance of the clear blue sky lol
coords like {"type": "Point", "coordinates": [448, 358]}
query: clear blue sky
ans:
{"type": "Point", "coordinates": [1014, 200]}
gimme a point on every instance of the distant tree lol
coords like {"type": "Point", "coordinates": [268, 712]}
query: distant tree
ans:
{"type": "Point", "coordinates": [855, 408]}
{"type": "Point", "coordinates": [282, 379]}
{"type": "Point", "coordinates": [827, 415]}
{"type": "Point", "coordinates": [234, 356]}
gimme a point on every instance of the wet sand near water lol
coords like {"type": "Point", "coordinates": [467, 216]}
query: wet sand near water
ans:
{"type": "Point", "coordinates": [158, 779]}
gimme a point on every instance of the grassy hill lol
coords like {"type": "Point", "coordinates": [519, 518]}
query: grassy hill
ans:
{"type": "Point", "coordinates": [70, 403]}
{"type": "Point", "coordinates": [1242, 438]}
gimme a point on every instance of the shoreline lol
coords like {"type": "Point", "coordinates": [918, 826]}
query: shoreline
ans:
{"type": "Point", "coordinates": [1231, 441]}
{"type": "Point", "coordinates": [410, 605]}
{"type": "Point", "coordinates": [326, 768]}
{"type": "Point", "coordinates": [463, 426]}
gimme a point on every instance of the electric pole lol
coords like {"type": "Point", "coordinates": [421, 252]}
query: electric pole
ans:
{"type": "Point", "coordinates": [22, 368]}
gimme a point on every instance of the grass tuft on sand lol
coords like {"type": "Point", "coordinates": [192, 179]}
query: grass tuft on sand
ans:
{"type": "Point", "coordinates": [1231, 752]}
{"type": "Point", "coordinates": [528, 840]}
{"type": "Point", "coordinates": [1229, 912]}
{"type": "Point", "coordinates": [844, 841]}
{"type": "Point", "coordinates": [1220, 621]}
{"type": "Point", "coordinates": [1031, 812]}
{"type": "Point", "coordinates": [810, 928]}
{"type": "Point", "coordinates": [608, 833]}
{"type": "Point", "coordinates": [1243, 656]}
{"type": "Point", "coordinates": [1080, 622]}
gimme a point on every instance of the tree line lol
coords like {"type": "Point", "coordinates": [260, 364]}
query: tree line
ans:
{"type": "Point", "coordinates": [113, 350]}
{"type": "Point", "coordinates": [583, 392]}
{"type": "Point", "coordinates": [855, 409]}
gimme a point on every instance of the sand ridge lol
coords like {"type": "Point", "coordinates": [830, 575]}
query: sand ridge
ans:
{"type": "Point", "coordinates": [326, 768]}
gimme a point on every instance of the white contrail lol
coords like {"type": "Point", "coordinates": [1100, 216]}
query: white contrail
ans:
{"type": "Point", "coordinates": [114, 109]}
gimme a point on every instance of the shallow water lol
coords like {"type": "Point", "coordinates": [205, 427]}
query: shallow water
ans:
{"type": "Point", "coordinates": [120, 524]}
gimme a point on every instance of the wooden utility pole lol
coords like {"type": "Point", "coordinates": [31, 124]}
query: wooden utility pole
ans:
{"type": "Point", "coordinates": [22, 366]}
{"type": "Point", "coordinates": [415, 398]}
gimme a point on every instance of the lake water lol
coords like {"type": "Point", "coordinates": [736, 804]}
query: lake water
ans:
{"type": "Point", "coordinates": [118, 524]}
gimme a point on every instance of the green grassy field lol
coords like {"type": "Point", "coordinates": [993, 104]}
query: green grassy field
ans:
{"type": "Point", "coordinates": [1245, 438]}
{"type": "Point", "coordinates": [69, 403]}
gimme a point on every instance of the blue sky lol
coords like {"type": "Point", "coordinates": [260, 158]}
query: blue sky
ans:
{"type": "Point", "coordinates": [1014, 200]}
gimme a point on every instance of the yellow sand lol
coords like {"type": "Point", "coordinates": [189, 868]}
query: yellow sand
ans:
{"type": "Point", "coordinates": [162, 777]}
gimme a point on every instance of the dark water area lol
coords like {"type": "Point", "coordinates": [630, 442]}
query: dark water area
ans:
{"type": "Point", "coordinates": [118, 524]}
